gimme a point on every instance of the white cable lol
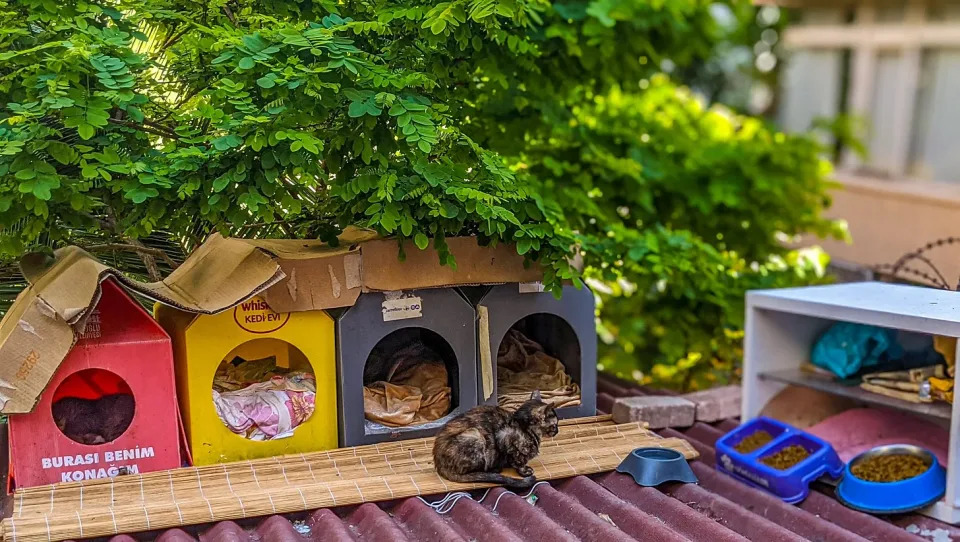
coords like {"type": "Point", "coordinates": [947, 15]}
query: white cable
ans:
{"type": "Point", "coordinates": [446, 504]}
{"type": "Point", "coordinates": [525, 497]}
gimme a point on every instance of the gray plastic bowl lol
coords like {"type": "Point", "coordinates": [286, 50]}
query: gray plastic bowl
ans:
{"type": "Point", "coordinates": [654, 466]}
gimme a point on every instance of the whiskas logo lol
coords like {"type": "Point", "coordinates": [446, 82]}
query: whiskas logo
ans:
{"type": "Point", "coordinates": [256, 316]}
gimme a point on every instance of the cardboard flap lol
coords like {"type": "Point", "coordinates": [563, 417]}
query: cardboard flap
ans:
{"type": "Point", "coordinates": [316, 275]}
{"type": "Point", "coordinates": [216, 276]}
{"type": "Point", "coordinates": [298, 249]}
{"type": "Point", "coordinates": [422, 269]}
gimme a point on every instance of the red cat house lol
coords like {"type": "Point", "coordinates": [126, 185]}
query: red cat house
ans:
{"type": "Point", "coordinates": [109, 408]}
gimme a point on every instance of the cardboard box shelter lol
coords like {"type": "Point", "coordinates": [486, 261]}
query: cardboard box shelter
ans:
{"type": "Point", "coordinates": [121, 351]}
{"type": "Point", "coordinates": [441, 318]}
{"type": "Point", "coordinates": [251, 330]}
{"type": "Point", "coordinates": [565, 328]}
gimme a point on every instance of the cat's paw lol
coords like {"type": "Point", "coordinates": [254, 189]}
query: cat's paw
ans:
{"type": "Point", "coordinates": [525, 471]}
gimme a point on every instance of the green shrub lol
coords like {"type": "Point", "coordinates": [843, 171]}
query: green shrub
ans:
{"type": "Point", "coordinates": [133, 124]}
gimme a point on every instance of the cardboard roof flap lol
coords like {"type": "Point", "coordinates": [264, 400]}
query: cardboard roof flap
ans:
{"type": "Point", "coordinates": [291, 275]}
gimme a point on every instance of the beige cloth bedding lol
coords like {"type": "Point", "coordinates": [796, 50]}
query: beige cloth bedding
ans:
{"type": "Point", "coordinates": [523, 367]}
{"type": "Point", "coordinates": [416, 392]}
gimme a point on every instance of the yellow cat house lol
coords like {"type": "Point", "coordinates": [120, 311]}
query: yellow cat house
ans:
{"type": "Point", "coordinates": [254, 382]}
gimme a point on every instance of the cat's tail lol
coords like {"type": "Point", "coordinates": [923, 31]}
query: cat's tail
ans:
{"type": "Point", "coordinates": [493, 478]}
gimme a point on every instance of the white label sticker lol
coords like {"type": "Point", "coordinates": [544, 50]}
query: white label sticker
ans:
{"type": "Point", "coordinates": [401, 307]}
{"type": "Point", "coordinates": [531, 287]}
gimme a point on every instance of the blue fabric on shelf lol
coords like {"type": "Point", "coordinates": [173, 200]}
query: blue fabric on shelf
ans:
{"type": "Point", "coordinates": [847, 348]}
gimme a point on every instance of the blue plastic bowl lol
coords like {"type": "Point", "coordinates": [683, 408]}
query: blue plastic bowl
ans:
{"type": "Point", "coordinates": [791, 485]}
{"type": "Point", "coordinates": [654, 466]}
{"type": "Point", "coordinates": [893, 497]}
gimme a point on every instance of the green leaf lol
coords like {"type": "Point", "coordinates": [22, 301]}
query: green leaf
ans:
{"type": "Point", "coordinates": [524, 245]}
{"type": "Point", "coordinates": [313, 146]}
{"type": "Point", "coordinates": [357, 109]}
{"type": "Point", "coordinates": [135, 114]}
{"type": "Point", "coordinates": [40, 186]}
{"type": "Point", "coordinates": [448, 210]}
{"type": "Point", "coordinates": [221, 182]}
{"type": "Point", "coordinates": [227, 142]}
{"type": "Point", "coordinates": [367, 106]}
{"type": "Point", "coordinates": [421, 240]}
{"type": "Point", "coordinates": [86, 131]}
{"type": "Point", "coordinates": [141, 194]}
{"type": "Point", "coordinates": [246, 63]}
{"type": "Point", "coordinates": [267, 81]}
{"type": "Point", "coordinates": [26, 174]}
{"type": "Point", "coordinates": [637, 253]}
{"type": "Point", "coordinates": [77, 202]}
{"type": "Point", "coordinates": [224, 56]}
{"type": "Point", "coordinates": [388, 223]}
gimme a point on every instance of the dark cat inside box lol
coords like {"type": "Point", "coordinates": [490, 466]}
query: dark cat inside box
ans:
{"type": "Point", "coordinates": [94, 421]}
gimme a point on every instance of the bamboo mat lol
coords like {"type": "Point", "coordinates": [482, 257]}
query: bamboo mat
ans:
{"type": "Point", "coordinates": [289, 484]}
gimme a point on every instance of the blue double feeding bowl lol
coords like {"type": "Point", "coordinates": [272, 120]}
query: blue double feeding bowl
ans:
{"type": "Point", "coordinates": [792, 485]}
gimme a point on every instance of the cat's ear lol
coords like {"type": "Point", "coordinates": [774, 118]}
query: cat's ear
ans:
{"type": "Point", "coordinates": [535, 396]}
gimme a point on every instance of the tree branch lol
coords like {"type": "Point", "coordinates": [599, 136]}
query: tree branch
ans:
{"type": "Point", "coordinates": [229, 14]}
{"type": "Point", "coordinates": [137, 246]}
{"type": "Point", "coordinates": [151, 128]}
{"type": "Point", "coordinates": [189, 95]}
{"type": "Point", "coordinates": [173, 39]}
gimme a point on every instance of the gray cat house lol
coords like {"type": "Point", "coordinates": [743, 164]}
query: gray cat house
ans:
{"type": "Point", "coordinates": [564, 327]}
{"type": "Point", "coordinates": [381, 323]}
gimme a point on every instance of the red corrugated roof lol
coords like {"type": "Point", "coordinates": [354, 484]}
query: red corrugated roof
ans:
{"type": "Point", "coordinates": [601, 508]}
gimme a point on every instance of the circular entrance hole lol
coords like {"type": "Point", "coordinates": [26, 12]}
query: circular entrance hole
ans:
{"type": "Point", "coordinates": [93, 406]}
{"type": "Point", "coordinates": [264, 389]}
{"type": "Point", "coordinates": [409, 379]}
{"type": "Point", "coordinates": [539, 352]}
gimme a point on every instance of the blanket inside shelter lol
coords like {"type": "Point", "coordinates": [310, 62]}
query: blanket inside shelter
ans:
{"type": "Point", "coordinates": [261, 401]}
{"type": "Point", "coordinates": [523, 367]}
{"type": "Point", "coordinates": [415, 389]}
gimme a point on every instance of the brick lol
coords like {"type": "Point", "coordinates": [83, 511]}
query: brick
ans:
{"type": "Point", "coordinates": [657, 410]}
{"type": "Point", "coordinates": [716, 404]}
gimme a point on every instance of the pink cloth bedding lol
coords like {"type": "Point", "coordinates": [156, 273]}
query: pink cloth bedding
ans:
{"type": "Point", "coordinates": [265, 410]}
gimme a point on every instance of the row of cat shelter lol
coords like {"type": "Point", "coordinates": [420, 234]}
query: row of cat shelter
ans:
{"type": "Point", "coordinates": [136, 392]}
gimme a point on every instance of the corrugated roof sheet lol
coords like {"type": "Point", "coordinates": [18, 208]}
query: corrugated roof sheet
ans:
{"type": "Point", "coordinates": [600, 508]}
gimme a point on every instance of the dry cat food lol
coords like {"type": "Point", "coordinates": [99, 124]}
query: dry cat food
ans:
{"type": "Point", "coordinates": [786, 458]}
{"type": "Point", "coordinates": [890, 467]}
{"type": "Point", "coordinates": [753, 442]}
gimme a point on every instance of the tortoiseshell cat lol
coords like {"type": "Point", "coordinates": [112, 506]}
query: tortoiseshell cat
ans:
{"type": "Point", "coordinates": [476, 445]}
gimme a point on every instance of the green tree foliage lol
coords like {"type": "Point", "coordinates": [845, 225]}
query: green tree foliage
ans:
{"type": "Point", "coordinates": [529, 121]}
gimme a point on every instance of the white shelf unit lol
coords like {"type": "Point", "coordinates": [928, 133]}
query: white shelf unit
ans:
{"type": "Point", "coordinates": [782, 326]}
